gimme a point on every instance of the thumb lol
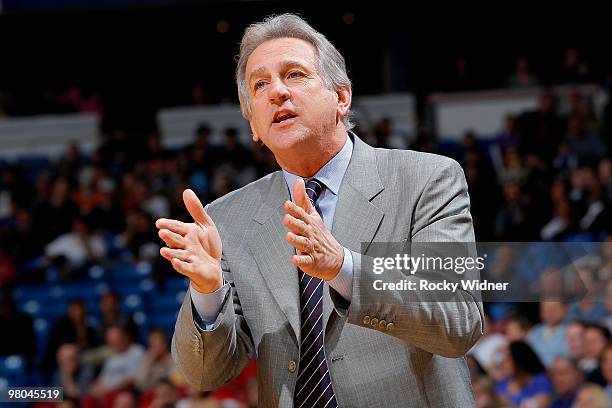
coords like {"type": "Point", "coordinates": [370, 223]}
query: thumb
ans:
{"type": "Point", "coordinates": [300, 197]}
{"type": "Point", "coordinates": [195, 207]}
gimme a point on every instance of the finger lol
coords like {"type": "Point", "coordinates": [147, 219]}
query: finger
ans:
{"type": "Point", "coordinates": [172, 239]}
{"type": "Point", "coordinates": [195, 208]}
{"type": "Point", "coordinates": [295, 211]}
{"type": "Point", "coordinates": [183, 267]}
{"type": "Point", "coordinates": [172, 225]}
{"type": "Point", "coordinates": [302, 261]}
{"type": "Point", "coordinates": [296, 226]}
{"type": "Point", "coordinates": [300, 243]}
{"type": "Point", "coordinates": [300, 197]}
{"type": "Point", "coordinates": [170, 253]}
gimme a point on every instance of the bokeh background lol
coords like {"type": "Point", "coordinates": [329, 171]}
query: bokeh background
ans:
{"type": "Point", "coordinates": [109, 109]}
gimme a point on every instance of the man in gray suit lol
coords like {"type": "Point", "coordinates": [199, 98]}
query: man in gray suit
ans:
{"type": "Point", "coordinates": [275, 267]}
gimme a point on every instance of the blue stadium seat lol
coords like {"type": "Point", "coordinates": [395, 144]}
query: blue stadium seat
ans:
{"type": "Point", "coordinates": [13, 369]}
{"type": "Point", "coordinates": [176, 284]}
{"type": "Point", "coordinates": [126, 273]}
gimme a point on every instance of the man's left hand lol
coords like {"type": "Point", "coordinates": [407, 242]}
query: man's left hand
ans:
{"type": "Point", "coordinates": [318, 252]}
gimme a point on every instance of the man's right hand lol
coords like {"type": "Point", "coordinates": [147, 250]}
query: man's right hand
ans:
{"type": "Point", "coordinates": [194, 249]}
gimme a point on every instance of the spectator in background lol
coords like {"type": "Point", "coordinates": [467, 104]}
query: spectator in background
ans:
{"type": "Point", "coordinates": [112, 316]}
{"type": "Point", "coordinates": [158, 364]}
{"type": "Point", "coordinates": [606, 369]}
{"type": "Point", "coordinates": [561, 225]}
{"type": "Point", "coordinates": [589, 309]}
{"type": "Point", "coordinates": [106, 215]}
{"type": "Point", "coordinates": [139, 236]}
{"type": "Point", "coordinates": [120, 370]}
{"type": "Point", "coordinates": [54, 215]}
{"type": "Point", "coordinates": [595, 220]}
{"type": "Point", "coordinates": [566, 378]}
{"type": "Point", "coordinates": [487, 350]}
{"type": "Point", "coordinates": [198, 399]}
{"type": "Point", "coordinates": [592, 396]}
{"type": "Point", "coordinates": [507, 137]}
{"type": "Point", "coordinates": [607, 321]}
{"type": "Point", "coordinates": [540, 131]}
{"type": "Point", "coordinates": [525, 379]}
{"type": "Point", "coordinates": [201, 140]}
{"type": "Point", "coordinates": [18, 333]}
{"type": "Point", "coordinates": [484, 393]}
{"type": "Point", "coordinates": [164, 395]}
{"type": "Point", "coordinates": [517, 328]}
{"type": "Point", "coordinates": [596, 338]}
{"type": "Point", "coordinates": [548, 338]}
{"type": "Point", "coordinates": [582, 141]}
{"type": "Point", "coordinates": [604, 172]}
{"type": "Point", "coordinates": [8, 270]}
{"type": "Point", "coordinates": [73, 329]}
{"type": "Point", "coordinates": [573, 69]}
{"type": "Point", "coordinates": [71, 375]}
{"type": "Point", "coordinates": [125, 399]}
{"type": "Point", "coordinates": [233, 152]}
{"type": "Point", "coordinates": [74, 252]}
{"type": "Point", "coordinates": [461, 78]}
{"type": "Point", "coordinates": [522, 76]}
{"type": "Point", "coordinates": [574, 336]}
{"type": "Point", "coordinates": [386, 137]}
{"type": "Point", "coordinates": [511, 222]}
{"type": "Point", "coordinates": [70, 164]}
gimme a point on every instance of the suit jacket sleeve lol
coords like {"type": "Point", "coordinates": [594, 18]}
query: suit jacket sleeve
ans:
{"type": "Point", "coordinates": [210, 358]}
{"type": "Point", "coordinates": [448, 328]}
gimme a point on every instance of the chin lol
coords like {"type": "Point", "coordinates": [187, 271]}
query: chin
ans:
{"type": "Point", "coordinates": [287, 138]}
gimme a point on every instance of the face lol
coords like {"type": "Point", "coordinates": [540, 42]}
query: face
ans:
{"type": "Point", "coordinates": [507, 367]}
{"type": "Point", "coordinates": [564, 376]}
{"type": "Point", "coordinates": [606, 365]}
{"type": "Point", "coordinates": [588, 397]}
{"type": "Point", "coordinates": [117, 340]}
{"type": "Point", "coordinates": [157, 343]}
{"type": "Point", "coordinates": [594, 342]}
{"type": "Point", "coordinates": [575, 341]}
{"type": "Point", "coordinates": [68, 357]}
{"type": "Point", "coordinates": [292, 109]}
{"type": "Point", "coordinates": [109, 303]}
{"type": "Point", "coordinates": [552, 313]}
{"type": "Point", "coordinates": [514, 331]}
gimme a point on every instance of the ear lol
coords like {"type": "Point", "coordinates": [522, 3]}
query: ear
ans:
{"type": "Point", "coordinates": [253, 132]}
{"type": "Point", "coordinates": [345, 96]}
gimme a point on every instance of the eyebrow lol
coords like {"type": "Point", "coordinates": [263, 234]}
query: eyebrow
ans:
{"type": "Point", "coordinates": [285, 65]}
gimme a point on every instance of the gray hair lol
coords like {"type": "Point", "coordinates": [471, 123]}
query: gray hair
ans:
{"type": "Point", "coordinates": [332, 67]}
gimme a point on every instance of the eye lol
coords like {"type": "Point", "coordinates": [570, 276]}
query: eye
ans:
{"type": "Point", "coordinates": [295, 74]}
{"type": "Point", "coordinates": [259, 85]}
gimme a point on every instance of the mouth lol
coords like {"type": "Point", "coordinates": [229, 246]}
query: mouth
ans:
{"type": "Point", "coordinates": [282, 117]}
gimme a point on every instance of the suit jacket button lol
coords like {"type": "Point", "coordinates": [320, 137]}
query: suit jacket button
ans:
{"type": "Point", "coordinates": [382, 324]}
{"type": "Point", "coordinates": [390, 326]}
{"type": "Point", "coordinates": [374, 322]}
{"type": "Point", "coordinates": [366, 320]}
{"type": "Point", "coordinates": [291, 366]}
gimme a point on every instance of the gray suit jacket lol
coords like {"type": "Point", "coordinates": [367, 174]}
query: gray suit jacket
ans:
{"type": "Point", "coordinates": [386, 195]}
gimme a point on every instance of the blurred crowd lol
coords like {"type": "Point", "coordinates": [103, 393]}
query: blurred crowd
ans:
{"type": "Point", "coordinates": [547, 176]}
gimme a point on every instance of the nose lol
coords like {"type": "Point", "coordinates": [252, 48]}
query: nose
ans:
{"type": "Point", "coordinates": [279, 92]}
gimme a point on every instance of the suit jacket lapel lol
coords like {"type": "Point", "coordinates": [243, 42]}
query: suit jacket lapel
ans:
{"type": "Point", "coordinates": [356, 219]}
{"type": "Point", "coordinates": [273, 253]}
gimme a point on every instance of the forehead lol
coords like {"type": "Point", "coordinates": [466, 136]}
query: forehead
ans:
{"type": "Point", "coordinates": [273, 53]}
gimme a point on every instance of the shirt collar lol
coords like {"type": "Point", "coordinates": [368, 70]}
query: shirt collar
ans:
{"type": "Point", "coordinates": [332, 173]}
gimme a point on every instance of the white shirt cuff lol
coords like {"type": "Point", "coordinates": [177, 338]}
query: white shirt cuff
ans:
{"type": "Point", "coordinates": [208, 305]}
{"type": "Point", "coordinates": [343, 281]}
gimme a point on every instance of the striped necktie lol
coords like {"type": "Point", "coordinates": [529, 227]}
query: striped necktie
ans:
{"type": "Point", "coordinates": [313, 386]}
